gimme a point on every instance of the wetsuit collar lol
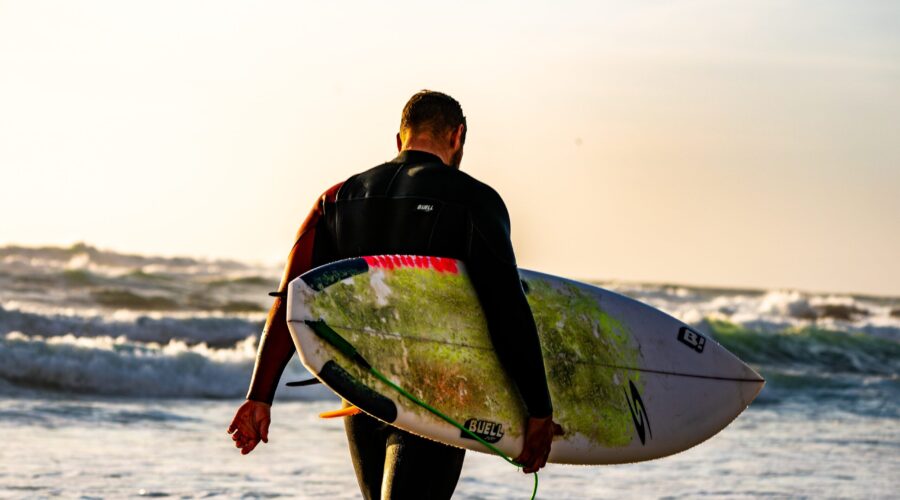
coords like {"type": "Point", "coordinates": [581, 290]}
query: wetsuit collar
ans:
{"type": "Point", "coordinates": [416, 156]}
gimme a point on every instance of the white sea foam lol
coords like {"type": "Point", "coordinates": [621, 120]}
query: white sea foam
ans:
{"type": "Point", "coordinates": [774, 310]}
{"type": "Point", "coordinates": [120, 367]}
{"type": "Point", "coordinates": [217, 330]}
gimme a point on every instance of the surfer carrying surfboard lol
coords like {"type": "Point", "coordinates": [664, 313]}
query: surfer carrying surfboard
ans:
{"type": "Point", "coordinates": [421, 204]}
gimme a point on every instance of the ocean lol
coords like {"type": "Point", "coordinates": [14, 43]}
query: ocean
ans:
{"type": "Point", "coordinates": [119, 375]}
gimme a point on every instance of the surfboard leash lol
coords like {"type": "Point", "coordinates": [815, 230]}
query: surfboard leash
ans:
{"type": "Point", "coordinates": [328, 334]}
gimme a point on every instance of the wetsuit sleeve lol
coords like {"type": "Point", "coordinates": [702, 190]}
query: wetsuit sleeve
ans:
{"type": "Point", "coordinates": [276, 347]}
{"type": "Point", "coordinates": [492, 268]}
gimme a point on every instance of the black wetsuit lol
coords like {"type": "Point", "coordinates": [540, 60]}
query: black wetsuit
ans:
{"type": "Point", "coordinates": [413, 205]}
{"type": "Point", "coordinates": [417, 205]}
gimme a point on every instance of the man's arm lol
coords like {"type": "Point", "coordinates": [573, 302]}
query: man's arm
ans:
{"type": "Point", "coordinates": [495, 276]}
{"type": "Point", "coordinates": [276, 347]}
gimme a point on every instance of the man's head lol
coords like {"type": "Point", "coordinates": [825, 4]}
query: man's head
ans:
{"type": "Point", "coordinates": [433, 122]}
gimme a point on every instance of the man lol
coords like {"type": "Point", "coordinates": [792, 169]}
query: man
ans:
{"type": "Point", "coordinates": [420, 204]}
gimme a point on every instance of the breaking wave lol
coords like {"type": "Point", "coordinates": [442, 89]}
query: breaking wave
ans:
{"type": "Point", "coordinates": [217, 331]}
{"type": "Point", "coordinates": [812, 349]}
{"type": "Point", "coordinates": [116, 366]}
{"type": "Point", "coordinates": [83, 320]}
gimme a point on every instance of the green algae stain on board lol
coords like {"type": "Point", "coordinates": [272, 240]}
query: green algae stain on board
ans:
{"type": "Point", "coordinates": [425, 330]}
{"type": "Point", "coordinates": [582, 344]}
{"type": "Point", "coordinates": [426, 304]}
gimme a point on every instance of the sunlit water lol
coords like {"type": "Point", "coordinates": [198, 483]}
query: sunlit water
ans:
{"type": "Point", "coordinates": [120, 373]}
{"type": "Point", "coordinates": [95, 449]}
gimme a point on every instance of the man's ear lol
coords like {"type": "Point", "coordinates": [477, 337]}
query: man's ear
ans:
{"type": "Point", "coordinates": [456, 136]}
{"type": "Point", "coordinates": [399, 143]}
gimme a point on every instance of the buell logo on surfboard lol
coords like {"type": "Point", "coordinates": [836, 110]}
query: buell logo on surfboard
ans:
{"type": "Point", "coordinates": [485, 429]}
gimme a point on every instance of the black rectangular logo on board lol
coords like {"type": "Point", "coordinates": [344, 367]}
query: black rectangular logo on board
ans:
{"type": "Point", "coordinates": [691, 339]}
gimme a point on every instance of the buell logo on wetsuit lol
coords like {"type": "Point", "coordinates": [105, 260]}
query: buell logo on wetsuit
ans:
{"type": "Point", "coordinates": [489, 431]}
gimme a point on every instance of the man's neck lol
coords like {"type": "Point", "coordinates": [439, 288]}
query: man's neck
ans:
{"type": "Point", "coordinates": [425, 144]}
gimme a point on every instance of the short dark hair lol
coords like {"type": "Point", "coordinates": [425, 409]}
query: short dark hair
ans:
{"type": "Point", "coordinates": [433, 112]}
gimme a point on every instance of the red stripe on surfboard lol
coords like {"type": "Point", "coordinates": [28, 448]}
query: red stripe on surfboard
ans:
{"type": "Point", "coordinates": [440, 264]}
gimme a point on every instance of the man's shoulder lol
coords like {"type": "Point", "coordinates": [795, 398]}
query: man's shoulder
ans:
{"type": "Point", "coordinates": [330, 194]}
{"type": "Point", "coordinates": [470, 191]}
{"type": "Point", "coordinates": [376, 171]}
{"type": "Point", "coordinates": [457, 178]}
{"type": "Point", "coordinates": [361, 183]}
{"type": "Point", "coordinates": [483, 192]}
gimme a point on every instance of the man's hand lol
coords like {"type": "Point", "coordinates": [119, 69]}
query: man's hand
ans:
{"type": "Point", "coordinates": [539, 434]}
{"type": "Point", "coordinates": [250, 425]}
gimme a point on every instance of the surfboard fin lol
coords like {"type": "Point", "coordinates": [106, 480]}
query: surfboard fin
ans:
{"type": "Point", "coordinates": [301, 383]}
{"type": "Point", "coordinates": [343, 412]}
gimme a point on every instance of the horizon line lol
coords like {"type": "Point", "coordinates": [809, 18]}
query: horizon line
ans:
{"type": "Point", "coordinates": [596, 281]}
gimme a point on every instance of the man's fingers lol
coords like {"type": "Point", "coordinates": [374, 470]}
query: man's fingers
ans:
{"type": "Point", "coordinates": [264, 430]}
{"type": "Point", "coordinates": [249, 425]}
{"type": "Point", "coordinates": [538, 441]}
{"type": "Point", "coordinates": [544, 461]}
{"type": "Point", "coordinates": [234, 424]}
{"type": "Point", "coordinates": [543, 456]}
{"type": "Point", "coordinates": [246, 444]}
{"type": "Point", "coordinates": [249, 447]}
{"type": "Point", "coordinates": [533, 459]}
{"type": "Point", "coordinates": [240, 423]}
{"type": "Point", "coordinates": [524, 458]}
{"type": "Point", "coordinates": [540, 460]}
{"type": "Point", "coordinates": [247, 428]}
{"type": "Point", "coordinates": [528, 461]}
{"type": "Point", "coordinates": [534, 465]}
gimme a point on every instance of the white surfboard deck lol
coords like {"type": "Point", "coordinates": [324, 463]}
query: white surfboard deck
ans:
{"type": "Point", "coordinates": [628, 382]}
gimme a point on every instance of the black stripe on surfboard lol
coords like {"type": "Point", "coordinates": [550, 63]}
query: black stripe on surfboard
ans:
{"type": "Point", "coordinates": [675, 374]}
{"type": "Point", "coordinates": [357, 393]}
{"type": "Point", "coordinates": [304, 383]}
{"type": "Point", "coordinates": [323, 277]}
{"type": "Point", "coordinates": [605, 365]}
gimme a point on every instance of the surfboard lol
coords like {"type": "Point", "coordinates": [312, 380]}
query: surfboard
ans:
{"type": "Point", "coordinates": [628, 382]}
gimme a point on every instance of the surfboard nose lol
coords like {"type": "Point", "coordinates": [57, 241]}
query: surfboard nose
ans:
{"type": "Point", "coordinates": [725, 364]}
{"type": "Point", "coordinates": [753, 386]}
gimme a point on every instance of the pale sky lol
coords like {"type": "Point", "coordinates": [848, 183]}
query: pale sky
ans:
{"type": "Point", "coordinates": [701, 142]}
